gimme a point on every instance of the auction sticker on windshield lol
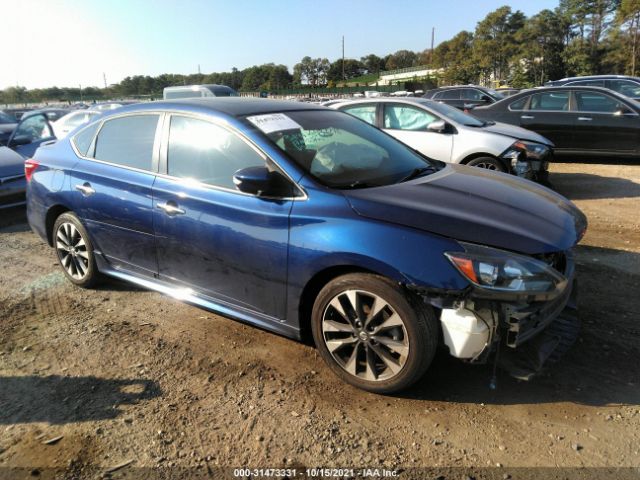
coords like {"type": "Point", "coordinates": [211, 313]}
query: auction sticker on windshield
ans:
{"type": "Point", "coordinates": [274, 122]}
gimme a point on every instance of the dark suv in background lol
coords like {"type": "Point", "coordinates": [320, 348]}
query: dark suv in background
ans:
{"type": "Point", "coordinates": [464, 97]}
{"type": "Point", "coordinates": [626, 85]}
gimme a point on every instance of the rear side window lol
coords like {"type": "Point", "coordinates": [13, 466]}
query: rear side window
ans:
{"type": "Point", "coordinates": [556, 101]}
{"type": "Point", "coordinates": [183, 94]}
{"type": "Point", "coordinates": [363, 112]}
{"type": "Point", "coordinates": [448, 95]}
{"type": "Point", "coordinates": [588, 83]}
{"type": "Point", "coordinates": [518, 104]}
{"type": "Point", "coordinates": [208, 153]}
{"type": "Point", "coordinates": [128, 141]}
{"type": "Point", "coordinates": [83, 140]}
{"type": "Point", "coordinates": [402, 117]}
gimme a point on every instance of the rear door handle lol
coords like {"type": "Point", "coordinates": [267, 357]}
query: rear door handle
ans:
{"type": "Point", "coordinates": [527, 117]}
{"type": "Point", "coordinates": [86, 189]}
{"type": "Point", "coordinates": [170, 208]}
{"type": "Point", "coordinates": [584, 119]}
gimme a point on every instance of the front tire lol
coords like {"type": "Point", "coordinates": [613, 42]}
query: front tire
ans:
{"type": "Point", "coordinates": [488, 163]}
{"type": "Point", "coordinates": [372, 334]}
{"type": "Point", "coordinates": [75, 251]}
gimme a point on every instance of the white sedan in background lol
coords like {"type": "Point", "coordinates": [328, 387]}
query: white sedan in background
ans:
{"type": "Point", "coordinates": [71, 120]}
{"type": "Point", "coordinates": [445, 133]}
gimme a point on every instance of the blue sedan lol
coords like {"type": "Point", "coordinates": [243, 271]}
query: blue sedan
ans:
{"type": "Point", "coordinates": [312, 224]}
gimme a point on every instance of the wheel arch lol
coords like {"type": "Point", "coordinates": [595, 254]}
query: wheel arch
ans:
{"type": "Point", "coordinates": [52, 214]}
{"type": "Point", "coordinates": [312, 289]}
{"type": "Point", "coordinates": [473, 156]}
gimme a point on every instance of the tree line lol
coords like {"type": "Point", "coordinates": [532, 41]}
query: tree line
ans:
{"type": "Point", "coordinates": [578, 37]}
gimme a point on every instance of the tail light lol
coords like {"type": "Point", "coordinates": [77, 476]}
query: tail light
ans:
{"type": "Point", "coordinates": [30, 166]}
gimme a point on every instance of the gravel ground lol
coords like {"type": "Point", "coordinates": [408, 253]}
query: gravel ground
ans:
{"type": "Point", "coordinates": [126, 375]}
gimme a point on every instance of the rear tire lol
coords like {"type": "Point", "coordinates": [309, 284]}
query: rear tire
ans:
{"type": "Point", "coordinates": [75, 251]}
{"type": "Point", "coordinates": [372, 334]}
{"type": "Point", "coordinates": [488, 163]}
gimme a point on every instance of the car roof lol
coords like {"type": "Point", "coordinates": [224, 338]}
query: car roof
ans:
{"type": "Point", "coordinates": [594, 77]}
{"type": "Point", "coordinates": [233, 106]}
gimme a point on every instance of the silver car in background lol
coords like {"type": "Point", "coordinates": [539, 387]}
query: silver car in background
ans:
{"type": "Point", "coordinates": [445, 133]}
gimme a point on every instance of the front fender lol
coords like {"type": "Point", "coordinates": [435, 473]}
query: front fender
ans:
{"type": "Point", "coordinates": [326, 233]}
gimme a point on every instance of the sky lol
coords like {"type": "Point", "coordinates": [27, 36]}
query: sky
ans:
{"type": "Point", "coordinates": [67, 43]}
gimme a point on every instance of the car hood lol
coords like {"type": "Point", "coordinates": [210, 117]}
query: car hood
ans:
{"type": "Point", "coordinates": [11, 163]}
{"type": "Point", "coordinates": [518, 133]}
{"type": "Point", "coordinates": [475, 205]}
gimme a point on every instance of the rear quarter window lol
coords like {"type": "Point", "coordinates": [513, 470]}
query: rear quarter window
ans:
{"type": "Point", "coordinates": [84, 138]}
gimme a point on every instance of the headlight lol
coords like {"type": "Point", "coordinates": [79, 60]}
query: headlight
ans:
{"type": "Point", "coordinates": [500, 271]}
{"type": "Point", "coordinates": [532, 150]}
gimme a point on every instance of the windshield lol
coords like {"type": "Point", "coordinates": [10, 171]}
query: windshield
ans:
{"type": "Point", "coordinates": [454, 114]}
{"type": "Point", "coordinates": [5, 118]}
{"type": "Point", "coordinates": [341, 151]}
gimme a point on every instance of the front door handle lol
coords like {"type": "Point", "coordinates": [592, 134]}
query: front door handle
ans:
{"type": "Point", "coordinates": [527, 117]}
{"type": "Point", "coordinates": [584, 119]}
{"type": "Point", "coordinates": [86, 189]}
{"type": "Point", "coordinates": [170, 208]}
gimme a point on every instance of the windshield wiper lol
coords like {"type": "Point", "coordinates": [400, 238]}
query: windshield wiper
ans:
{"type": "Point", "coordinates": [416, 172]}
{"type": "Point", "coordinates": [357, 184]}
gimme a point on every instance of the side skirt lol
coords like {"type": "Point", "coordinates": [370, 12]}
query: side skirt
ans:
{"type": "Point", "coordinates": [192, 297]}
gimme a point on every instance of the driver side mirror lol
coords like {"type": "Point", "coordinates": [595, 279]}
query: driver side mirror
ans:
{"type": "Point", "coordinates": [485, 99]}
{"type": "Point", "coordinates": [438, 126]}
{"type": "Point", "coordinates": [262, 182]}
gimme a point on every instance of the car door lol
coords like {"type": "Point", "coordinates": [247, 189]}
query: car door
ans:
{"type": "Point", "coordinates": [604, 123]}
{"type": "Point", "coordinates": [472, 97]}
{"type": "Point", "coordinates": [31, 133]}
{"type": "Point", "coordinates": [409, 125]}
{"type": "Point", "coordinates": [548, 114]}
{"type": "Point", "coordinates": [211, 237]}
{"type": "Point", "coordinates": [113, 182]}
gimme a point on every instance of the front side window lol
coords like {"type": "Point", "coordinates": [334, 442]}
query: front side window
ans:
{"type": "Point", "coordinates": [33, 128]}
{"type": "Point", "coordinates": [5, 118]}
{"type": "Point", "coordinates": [363, 112]}
{"type": "Point", "coordinates": [596, 102]}
{"type": "Point", "coordinates": [128, 141]}
{"type": "Point", "coordinates": [403, 117]}
{"type": "Point", "coordinates": [625, 87]}
{"type": "Point", "coordinates": [550, 101]}
{"type": "Point", "coordinates": [207, 153]}
{"type": "Point", "coordinates": [341, 151]}
{"type": "Point", "coordinates": [471, 94]}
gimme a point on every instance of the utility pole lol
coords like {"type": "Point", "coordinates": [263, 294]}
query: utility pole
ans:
{"type": "Point", "coordinates": [80, 85]}
{"type": "Point", "coordinates": [104, 77]}
{"type": "Point", "coordinates": [198, 69]}
{"type": "Point", "coordinates": [343, 77]}
{"type": "Point", "coordinates": [433, 37]}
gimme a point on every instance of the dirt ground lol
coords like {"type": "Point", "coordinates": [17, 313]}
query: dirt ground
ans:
{"type": "Point", "coordinates": [127, 375]}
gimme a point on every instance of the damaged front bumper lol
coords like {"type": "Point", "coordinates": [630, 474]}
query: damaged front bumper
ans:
{"type": "Point", "coordinates": [521, 334]}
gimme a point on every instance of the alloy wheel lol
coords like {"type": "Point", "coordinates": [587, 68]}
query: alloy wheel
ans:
{"type": "Point", "coordinates": [487, 165]}
{"type": "Point", "coordinates": [365, 335]}
{"type": "Point", "coordinates": [72, 250]}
